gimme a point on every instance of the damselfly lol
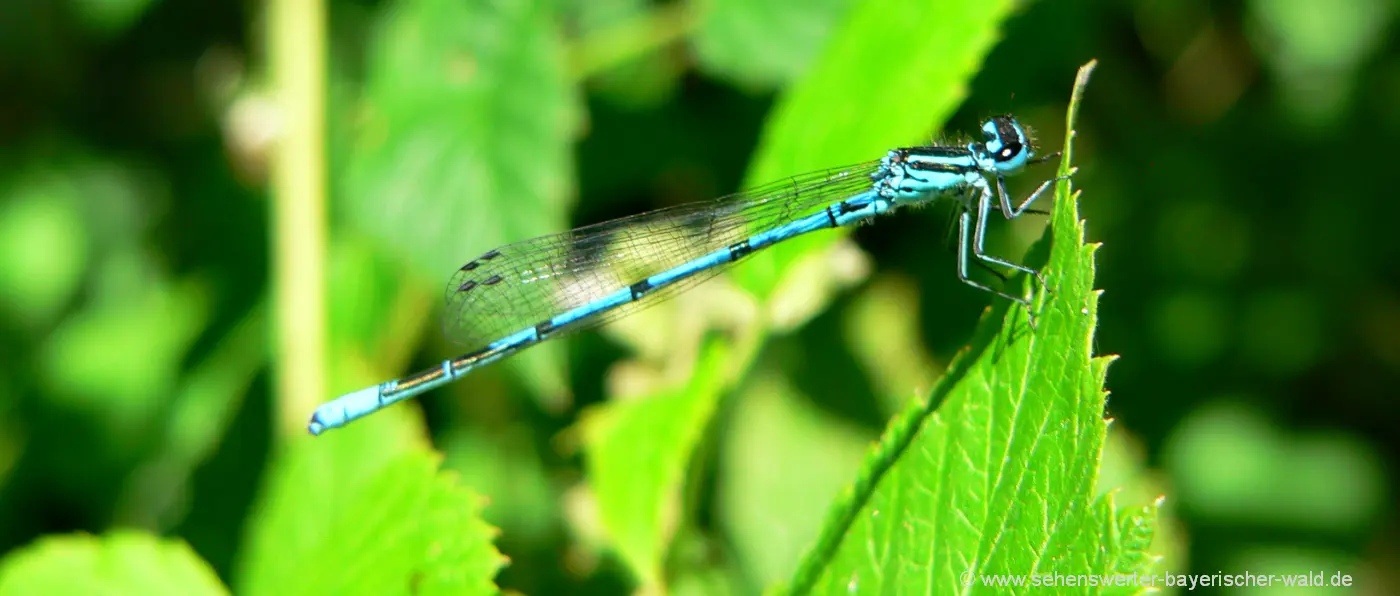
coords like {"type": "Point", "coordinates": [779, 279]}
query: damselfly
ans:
{"type": "Point", "coordinates": [521, 294]}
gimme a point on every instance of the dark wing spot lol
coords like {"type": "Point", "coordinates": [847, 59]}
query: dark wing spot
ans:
{"type": "Point", "coordinates": [491, 281]}
{"type": "Point", "coordinates": [466, 286]}
{"type": "Point", "coordinates": [470, 266]}
{"type": "Point", "coordinates": [490, 254]}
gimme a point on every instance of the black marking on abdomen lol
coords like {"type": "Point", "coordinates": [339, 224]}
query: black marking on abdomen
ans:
{"type": "Point", "coordinates": [640, 289]}
{"type": "Point", "coordinates": [832, 216]}
{"type": "Point", "coordinates": [544, 328]}
{"type": "Point", "coordinates": [847, 207]}
{"type": "Point", "coordinates": [739, 250]}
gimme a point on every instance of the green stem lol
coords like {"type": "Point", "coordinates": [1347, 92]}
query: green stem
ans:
{"type": "Point", "coordinates": [296, 68]}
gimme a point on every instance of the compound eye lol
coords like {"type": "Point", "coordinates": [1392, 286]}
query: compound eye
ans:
{"type": "Point", "coordinates": [1009, 151]}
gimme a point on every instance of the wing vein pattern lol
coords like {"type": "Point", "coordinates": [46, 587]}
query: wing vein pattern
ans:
{"type": "Point", "coordinates": [522, 284]}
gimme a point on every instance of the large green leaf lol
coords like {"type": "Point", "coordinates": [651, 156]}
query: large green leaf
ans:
{"type": "Point", "coordinates": [999, 480]}
{"type": "Point", "coordinates": [363, 511]}
{"type": "Point", "coordinates": [122, 562]}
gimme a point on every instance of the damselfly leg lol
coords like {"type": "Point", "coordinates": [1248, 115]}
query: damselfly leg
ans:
{"type": "Point", "coordinates": [979, 229]}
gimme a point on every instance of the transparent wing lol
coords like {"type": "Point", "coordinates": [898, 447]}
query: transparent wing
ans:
{"type": "Point", "coordinates": [521, 284]}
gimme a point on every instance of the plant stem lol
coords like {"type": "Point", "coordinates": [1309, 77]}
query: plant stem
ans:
{"type": "Point", "coordinates": [296, 68]}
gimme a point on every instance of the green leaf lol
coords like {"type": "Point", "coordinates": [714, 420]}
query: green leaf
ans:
{"type": "Point", "coordinates": [638, 452]}
{"type": "Point", "coordinates": [43, 245]}
{"type": "Point", "coordinates": [618, 49]}
{"type": "Point", "coordinates": [1230, 463]}
{"type": "Point", "coordinates": [1124, 472]}
{"type": "Point", "coordinates": [124, 390]}
{"type": "Point", "coordinates": [109, 17]}
{"type": "Point", "coordinates": [764, 44]}
{"type": "Point", "coordinates": [123, 562]}
{"type": "Point", "coordinates": [882, 82]}
{"type": "Point", "coordinates": [365, 512]}
{"type": "Point", "coordinates": [466, 143]}
{"type": "Point", "coordinates": [202, 407]}
{"type": "Point", "coordinates": [13, 435]}
{"type": "Point", "coordinates": [884, 334]}
{"type": "Point", "coordinates": [999, 480]}
{"type": "Point", "coordinates": [505, 464]}
{"type": "Point", "coordinates": [782, 463]}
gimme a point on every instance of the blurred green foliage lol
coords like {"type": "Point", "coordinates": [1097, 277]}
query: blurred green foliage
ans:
{"type": "Point", "coordinates": [1234, 161]}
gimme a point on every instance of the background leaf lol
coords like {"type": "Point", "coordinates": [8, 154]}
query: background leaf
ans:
{"type": "Point", "coordinates": [468, 117]}
{"type": "Point", "coordinates": [122, 562]}
{"type": "Point", "coordinates": [764, 44]}
{"type": "Point", "coordinates": [781, 467]}
{"type": "Point", "coordinates": [638, 452]}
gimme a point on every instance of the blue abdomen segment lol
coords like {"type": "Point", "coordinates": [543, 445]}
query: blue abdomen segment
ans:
{"type": "Point", "coordinates": [346, 408]}
{"type": "Point", "coordinates": [719, 257]}
{"type": "Point", "coordinates": [358, 404]}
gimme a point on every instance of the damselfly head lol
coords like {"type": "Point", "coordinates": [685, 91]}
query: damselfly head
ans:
{"type": "Point", "coordinates": [1006, 143]}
